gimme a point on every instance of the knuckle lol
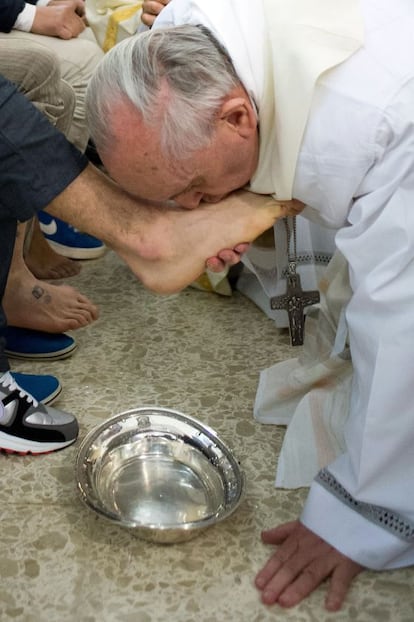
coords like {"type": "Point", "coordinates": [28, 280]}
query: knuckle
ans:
{"type": "Point", "coordinates": [313, 575]}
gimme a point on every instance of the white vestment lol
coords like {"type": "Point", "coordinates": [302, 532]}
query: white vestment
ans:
{"type": "Point", "coordinates": [253, 56]}
{"type": "Point", "coordinates": [355, 172]}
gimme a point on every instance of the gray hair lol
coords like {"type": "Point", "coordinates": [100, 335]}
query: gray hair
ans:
{"type": "Point", "coordinates": [176, 77]}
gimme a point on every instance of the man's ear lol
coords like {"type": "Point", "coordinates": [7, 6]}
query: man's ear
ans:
{"type": "Point", "coordinates": [238, 114]}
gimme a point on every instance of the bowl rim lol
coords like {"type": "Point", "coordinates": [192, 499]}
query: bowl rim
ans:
{"type": "Point", "coordinates": [93, 503]}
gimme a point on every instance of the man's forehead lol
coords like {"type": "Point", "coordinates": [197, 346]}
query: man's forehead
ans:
{"type": "Point", "coordinates": [130, 131]}
{"type": "Point", "coordinates": [136, 158]}
{"type": "Point", "coordinates": [143, 174]}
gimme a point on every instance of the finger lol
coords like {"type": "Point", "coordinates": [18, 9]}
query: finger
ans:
{"type": "Point", "coordinates": [278, 534]}
{"type": "Point", "coordinates": [341, 580]}
{"type": "Point", "coordinates": [301, 574]}
{"type": "Point", "coordinates": [215, 264]}
{"type": "Point", "coordinates": [146, 7]}
{"type": "Point", "coordinates": [152, 8]}
{"type": "Point", "coordinates": [298, 551]}
{"type": "Point", "coordinates": [283, 581]}
{"type": "Point", "coordinates": [283, 566]}
{"type": "Point", "coordinates": [264, 577]}
{"type": "Point", "coordinates": [147, 19]}
{"type": "Point", "coordinates": [306, 581]}
{"type": "Point", "coordinates": [242, 248]}
{"type": "Point", "coordinates": [229, 256]}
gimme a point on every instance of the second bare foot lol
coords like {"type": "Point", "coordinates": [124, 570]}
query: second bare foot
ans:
{"type": "Point", "coordinates": [30, 303]}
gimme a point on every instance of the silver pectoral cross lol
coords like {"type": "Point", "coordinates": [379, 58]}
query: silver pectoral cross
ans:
{"type": "Point", "coordinates": [294, 302]}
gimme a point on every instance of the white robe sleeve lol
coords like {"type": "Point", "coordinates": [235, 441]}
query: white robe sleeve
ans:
{"type": "Point", "coordinates": [363, 503]}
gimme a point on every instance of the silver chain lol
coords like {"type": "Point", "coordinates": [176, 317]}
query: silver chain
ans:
{"type": "Point", "coordinates": [291, 233]}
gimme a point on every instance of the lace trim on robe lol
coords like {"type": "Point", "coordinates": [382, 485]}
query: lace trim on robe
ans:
{"type": "Point", "coordinates": [385, 518]}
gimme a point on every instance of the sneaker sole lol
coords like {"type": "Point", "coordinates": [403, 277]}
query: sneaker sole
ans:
{"type": "Point", "coordinates": [42, 356]}
{"type": "Point", "coordinates": [15, 445]}
{"type": "Point", "coordinates": [77, 253]}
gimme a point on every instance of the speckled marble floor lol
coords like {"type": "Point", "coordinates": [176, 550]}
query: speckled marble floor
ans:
{"type": "Point", "coordinates": [194, 352]}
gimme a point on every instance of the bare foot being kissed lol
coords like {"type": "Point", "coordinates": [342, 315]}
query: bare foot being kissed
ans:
{"type": "Point", "coordinates": [43, 262]}
{"type": "Point", "coordinates": [31, 303]}
{"type": "Point", "coordinates": [165, 247]}
{"type": "Point", "coordinates": [182, 242]}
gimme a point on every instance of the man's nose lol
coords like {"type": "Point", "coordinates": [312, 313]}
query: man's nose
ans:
{"type": "Point", "coordinates": [213, 198]}
{"type": "Point", "coordinates": [189, 200]}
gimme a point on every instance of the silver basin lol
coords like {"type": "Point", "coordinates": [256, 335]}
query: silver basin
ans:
{"type": "Point", "coordinates": [160, 473]}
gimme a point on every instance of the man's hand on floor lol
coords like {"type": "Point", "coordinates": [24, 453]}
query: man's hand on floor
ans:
{"type": "Point", "coordinates": [300, 564]}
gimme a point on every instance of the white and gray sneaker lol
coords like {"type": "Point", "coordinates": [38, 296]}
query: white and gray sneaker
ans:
{"type": "Point", "coordinates": [28, 427]}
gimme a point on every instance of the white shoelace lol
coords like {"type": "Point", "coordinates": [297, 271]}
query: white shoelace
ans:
{"type": "Point", "coordinates": [8, 382]}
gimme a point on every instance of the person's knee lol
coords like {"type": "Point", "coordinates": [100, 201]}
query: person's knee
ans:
{"type": "Point", "coordinates": [78, 67]}
{"type": "Point", "coordinates": [28, 64]}
{"type": "Point", "coordinates": [45, 69]}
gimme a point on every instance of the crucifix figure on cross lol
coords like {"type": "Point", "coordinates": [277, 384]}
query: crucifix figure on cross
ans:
{"type": "Point", "coordinates": [294, 302]}
{"type": "Point", "coordinates": [295, 299]}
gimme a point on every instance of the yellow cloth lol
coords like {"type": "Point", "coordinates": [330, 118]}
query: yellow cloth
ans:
{"type": "Point", "coordinates": [113, 20]}
{"type": "Point", "coordinates": [213, 282]}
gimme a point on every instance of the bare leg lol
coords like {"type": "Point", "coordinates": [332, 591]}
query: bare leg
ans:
{"type": "Point", "coordinates": [180, 242]}
{"type": "Point", "coordinates": [165, 248]}
{"type": "Point", "coordinates": [30, 303]}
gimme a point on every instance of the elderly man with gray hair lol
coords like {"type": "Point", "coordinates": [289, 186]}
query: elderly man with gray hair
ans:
{"type": "Point", "coordinates": [41, 169]}
{"type": "Point", "coordinates": [303, 102]}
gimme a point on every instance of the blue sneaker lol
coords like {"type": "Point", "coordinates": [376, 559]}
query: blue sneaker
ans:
{"type": "Point", "coordinates": [43, 388]}
{"type": "Point", "coordinates": [67, 240]}
{"type": "Point", "coordinates": [23, 343]}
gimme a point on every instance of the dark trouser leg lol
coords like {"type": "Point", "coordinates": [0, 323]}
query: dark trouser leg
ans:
{"type": "Point", "coordinates": [36, 73]}
{"type": "Point", "coordinates": [7, 238]}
